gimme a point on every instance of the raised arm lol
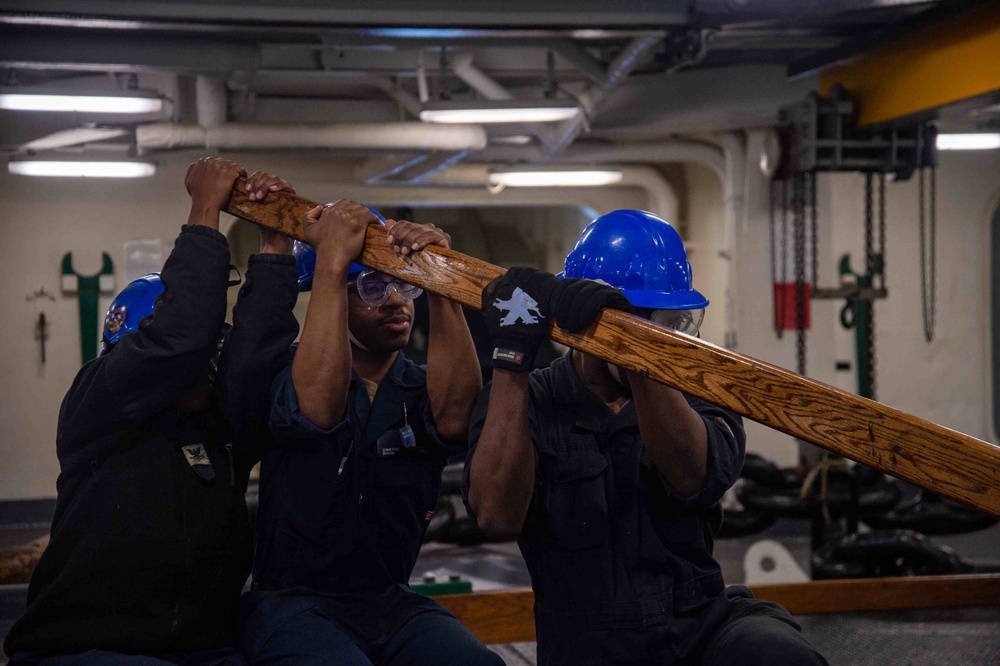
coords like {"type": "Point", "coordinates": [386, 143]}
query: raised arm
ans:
{"type": "Point", "coordinates": [169, 353]}
{"type": "Point", "coordinates": [321, 371]}
{"type": "Point", "coordinates": [501, 467]}
{"type": "Point", "coordinates": [453, 373]}
{"type": "Point", "coordinates": [264, 327]}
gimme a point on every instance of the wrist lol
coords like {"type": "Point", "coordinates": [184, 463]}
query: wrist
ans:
{"type": "Point", "coordinates": [205, 215]}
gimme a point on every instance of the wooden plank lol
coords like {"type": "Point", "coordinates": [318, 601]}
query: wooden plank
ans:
{"type": "Point", "coordinates": [931, 456]}
{"type": "Point", "coordinates": [884, 594]}
{"type": "Point", "coordinates": [508, 616]}
{"type": "Point", "coordinates": [495, 617]}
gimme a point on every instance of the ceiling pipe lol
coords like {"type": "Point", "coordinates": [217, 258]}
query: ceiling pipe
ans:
{"type": "Point", "coordinates": [211, 101]}
{"type": "Point", "coordinates": [623, 64]}
{"type": "Point", "coordinates": [482, 83]}
{"type": "Point", "coordinates": [329, 83]}
{"type": "Point", "coordinates": [734, 207]}
{"type": "Point", "coordinates": [260, 136]}
{"type": "Point", "coordinates": [661, 198]}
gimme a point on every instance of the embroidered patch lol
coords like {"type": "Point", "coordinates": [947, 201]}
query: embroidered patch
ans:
{"type": "Point", "coordinates": [196, 455]}
{"type": "Point", "coordinates": [519, 306]}
{"type": "Point", "coordinates": [116, 319]}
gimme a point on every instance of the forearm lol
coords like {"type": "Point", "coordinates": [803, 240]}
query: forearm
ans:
{"type": "Point", "coordinates": [673, 433]}
{"type": "Point", "coordinates": [502, 469]}
{"type": "Point", "coordinates": [321, 372]}
{"type": "Point", "coordinates": [453, 374]}
{"type": "Point", "coordinates": [264, 327]}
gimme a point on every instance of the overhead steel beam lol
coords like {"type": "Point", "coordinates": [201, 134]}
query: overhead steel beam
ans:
{"type": "Point", "coordinates": [955, 60]}
{"type": "Point", "coordinates": [432, 13]}
{"type": "Point", "coordinates": [851, 46]}
{"type": "Point", "coordinates": [122, 51]}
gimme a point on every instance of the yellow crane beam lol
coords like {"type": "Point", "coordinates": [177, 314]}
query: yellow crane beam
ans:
{"type": "Point", "coordinates": [955, 60]}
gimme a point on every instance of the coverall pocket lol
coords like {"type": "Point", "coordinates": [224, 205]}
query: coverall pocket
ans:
{"type": "Point", "coordinates": [577, 502]}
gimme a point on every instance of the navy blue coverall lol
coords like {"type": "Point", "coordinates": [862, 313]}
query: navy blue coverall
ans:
{"type": "Point", "coordinates": [342, 515]}
{"type": "Point", "coordinates": [150, 544]}
{"type": "Point", "coordinates": [620, 563]}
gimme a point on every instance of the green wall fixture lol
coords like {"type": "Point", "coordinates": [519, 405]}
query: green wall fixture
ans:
{"type": "Point", "coordinates": [88, 288]}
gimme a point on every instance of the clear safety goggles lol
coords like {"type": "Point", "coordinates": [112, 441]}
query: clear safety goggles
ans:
{"type": "Point", "coordinates": [682, 321]}
{"type": "Point", "coordinates": [374, 287]}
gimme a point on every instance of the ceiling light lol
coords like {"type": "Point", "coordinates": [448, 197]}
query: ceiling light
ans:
{"type": "Point", "coordinates": [556, 178]}
{"type": "Point", "coordinates": [501, 111]}
{"type": "Point", "coordinates": [81, 168]}
{"type": "Point", "coordinates": [980, 141]}
{"type": "Point", "coordinates": [132, 103]}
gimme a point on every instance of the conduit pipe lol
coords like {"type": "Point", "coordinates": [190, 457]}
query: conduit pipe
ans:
{"type": "Point", "coordinates": [623, 64]}
{"type": "Point", "coordinates": [211, 101]}
{"type": "Point", "coordinates": [482, 83]}
{"type": "Point", "coordinates": [734, 199]}
{"type": "Point", "coordinates": [261, 136]}
{"type": "Point", "coordinates": [278, 82]}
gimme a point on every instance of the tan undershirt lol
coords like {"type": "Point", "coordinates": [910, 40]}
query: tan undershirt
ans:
{"type": "Point", "coordinates": [372, 387]}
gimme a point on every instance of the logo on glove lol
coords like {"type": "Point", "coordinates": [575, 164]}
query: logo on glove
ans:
{"type": "Point", "coordinates": [519, 306]}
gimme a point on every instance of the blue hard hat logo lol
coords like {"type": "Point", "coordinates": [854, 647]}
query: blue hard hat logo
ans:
{"type": "Point", "coordinates": [131, 306]}
{"type": "Point", "coordinates": [305, 258]}
{"type": "Point", "coordinates": [640, 254]}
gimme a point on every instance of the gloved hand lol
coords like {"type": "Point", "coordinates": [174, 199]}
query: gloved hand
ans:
{"type": "Point", "coordinates": [516, 307]}
{"type": "Point", "coordinates": [576, 302]}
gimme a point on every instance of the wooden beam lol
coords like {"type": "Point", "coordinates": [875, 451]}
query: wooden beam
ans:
{"type": "Point", "coordinates": [957, 466]}
{"type": "Point", "coordinates": [495, 617]}
{"type": "Point", "coordinates": [955, 60]}
{"type": "Point", "coordinates": [508, 616]}
{"type": "Point", "coordinates": [884, 594]}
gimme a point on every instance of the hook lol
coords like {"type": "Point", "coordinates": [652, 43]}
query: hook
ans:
{"type": "Point", "coordinates": [40, 293]}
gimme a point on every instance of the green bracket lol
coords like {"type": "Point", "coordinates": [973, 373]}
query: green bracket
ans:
{"type": "Point", "coordinates": [856, 314]}
{"type": "Point", "coordinates": [87, 289]}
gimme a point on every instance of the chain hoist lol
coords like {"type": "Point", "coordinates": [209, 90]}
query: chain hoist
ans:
{"type": "Point", "coordinates": [928, 289]}
{"type": "Point", "coordinates": [799, 231]}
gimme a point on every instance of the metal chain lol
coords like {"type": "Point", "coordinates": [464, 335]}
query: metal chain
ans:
{"type": "Point", "coordinates": [774, 261]}
{"type": "Point", "coordinates": [784, 251]}
{"type": "Point", "coordinates": [870, 274]}
{"type": "Point", "coordinates": [927, 290]}
{"type": "Point", "coordinates": [881, 226]}
{"type": "Point", "coordinates": [798, 206]}
{"type": "Point", "coordinates": [813, 231]}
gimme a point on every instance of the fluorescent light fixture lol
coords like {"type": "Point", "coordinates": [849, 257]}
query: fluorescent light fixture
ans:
{"type": "Point", "coordinates": [980, 141]}
{"type": "Point", "coordinates": [81, 168]}
{"type": "Point", "coordinates": [80, 103]}
{"type": "Point", "coordinates": [512, 140]}
{"type": "Point", "coordinates": [556, 178]}
{"type": "Point", "coordinates": [501, 111]}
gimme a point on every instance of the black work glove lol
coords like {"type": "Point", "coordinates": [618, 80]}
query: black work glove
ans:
{"type": "Point", "coordinates": [516, 307]}
{"type": "Point", "coordinates": [576, 302]}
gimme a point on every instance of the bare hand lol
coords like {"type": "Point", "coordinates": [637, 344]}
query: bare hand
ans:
{"type": "Point", "coordinates": [337, 231]}
{"type": "Point", "coordinates": [210, 182]}
{"type": "Point", "coordinates": [258, 185]}
{"type": "Point", "coordinates": [406, 237]}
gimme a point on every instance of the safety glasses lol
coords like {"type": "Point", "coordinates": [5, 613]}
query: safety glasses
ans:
{"type": "Point", "coordinates": [374, 287]}
{"type": "Point", "coordinates": [682, 321]}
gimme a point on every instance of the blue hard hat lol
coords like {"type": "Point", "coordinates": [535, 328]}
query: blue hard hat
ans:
{"type": "Point", "coordinates": [130, 307]}
{"type": "Point", "coordinates": [640, 254]}
{"type": "Point", "coordinates": [305, 258]}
